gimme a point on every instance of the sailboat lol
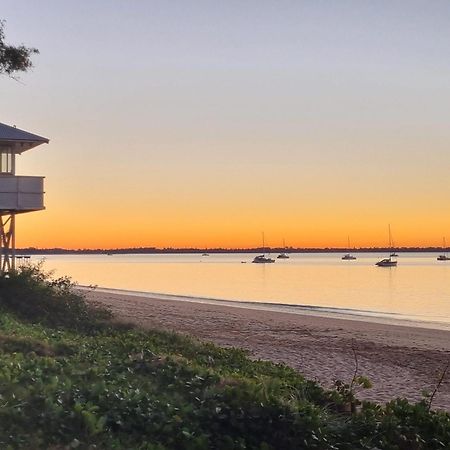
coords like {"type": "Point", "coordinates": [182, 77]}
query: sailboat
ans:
{"type": "Point", "coordinates": [348, 256]}
{"type": "Point", "coordinates": [388, 262]}
{"type": "Point", "coordinates": [283, 255]}
{"type": "Point", "coordinates": [262, 259]}
{"type": "Point", "coordinates": [444, 256]}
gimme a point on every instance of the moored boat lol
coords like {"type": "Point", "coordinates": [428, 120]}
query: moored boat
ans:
{"type": "Point", "coordinates": [387, 262]}
{"type": "Point", "coordinates": [348, 256]}
{"type": "Point", "coordinates": [262, 259]}
{"type": "Point", "coordinates": [283, 255]}
{"type": "Point", "coordinates": [444, 256]}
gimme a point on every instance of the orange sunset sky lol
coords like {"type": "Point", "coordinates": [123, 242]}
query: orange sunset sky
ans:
{"type": "Point", "coordinates": [203, 123]}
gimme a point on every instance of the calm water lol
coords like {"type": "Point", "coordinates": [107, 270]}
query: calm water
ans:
{"type": "Point", "coordinates": [417, 289]}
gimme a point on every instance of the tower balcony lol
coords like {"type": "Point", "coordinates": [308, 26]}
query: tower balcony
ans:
{"type": "Point", "coordinates": [19, 194]}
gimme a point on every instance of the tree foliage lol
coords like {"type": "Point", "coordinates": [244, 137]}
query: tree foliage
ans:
{"type": "Point", "coordinates": [14, 58]}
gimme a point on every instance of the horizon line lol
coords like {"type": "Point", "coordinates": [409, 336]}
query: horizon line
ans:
{"type": "Point", "coordinates": [149, 249]}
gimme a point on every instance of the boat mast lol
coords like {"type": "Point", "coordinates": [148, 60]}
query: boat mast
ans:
{"type": "Point", "coordinates": [390, 242]}
{"type": "Point", "coordinates": [390, 237]}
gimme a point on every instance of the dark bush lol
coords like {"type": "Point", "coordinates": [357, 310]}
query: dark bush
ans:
{"type": "Point", "coordinates": [33, 295]}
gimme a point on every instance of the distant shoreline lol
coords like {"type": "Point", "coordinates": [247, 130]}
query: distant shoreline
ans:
{"type": "Point", "coordinates": [159, 251]}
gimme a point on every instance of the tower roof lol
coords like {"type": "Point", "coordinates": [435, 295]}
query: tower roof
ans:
{"type": "Point", "coordinates": [19, 140]}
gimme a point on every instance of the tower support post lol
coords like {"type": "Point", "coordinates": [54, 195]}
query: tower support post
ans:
{"type": "Point", "coordinates": [7, 242]}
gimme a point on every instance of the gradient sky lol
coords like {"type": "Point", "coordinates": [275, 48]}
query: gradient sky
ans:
{"type": "Point", "coordinates": [202, 123]}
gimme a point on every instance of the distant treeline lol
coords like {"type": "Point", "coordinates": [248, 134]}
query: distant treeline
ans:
{"type": "Point", "coordinates": [154, 250]}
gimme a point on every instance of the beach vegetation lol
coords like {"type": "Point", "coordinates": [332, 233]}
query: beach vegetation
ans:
{"type": "Point", "coordinates": [72, 378]}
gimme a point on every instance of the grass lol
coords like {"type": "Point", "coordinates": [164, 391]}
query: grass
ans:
{"type": "Point", "coordinates": [69, 378]}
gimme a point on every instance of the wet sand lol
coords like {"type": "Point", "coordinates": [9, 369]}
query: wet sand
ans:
{"type": "Point", "coordinates": [401, 361]}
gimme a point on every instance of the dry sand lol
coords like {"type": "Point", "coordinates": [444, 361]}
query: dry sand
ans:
{"type": "Point", "coordinates": [401, 361]}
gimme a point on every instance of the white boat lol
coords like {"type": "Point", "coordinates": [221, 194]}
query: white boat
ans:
{"type": "Point", "coordinates": [348, 256]}
{"type": "Point", "coordinates": [283, 255]}
{"type": "Point", "coordinates": [388, 262]}
{"type": "Point", "coordinates": [444, 256]}
{"type": "Point", "coordinates": [262, 259]}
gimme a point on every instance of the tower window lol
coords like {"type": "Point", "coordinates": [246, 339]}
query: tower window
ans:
{"type": "Point", "coordinates": [6, 161]}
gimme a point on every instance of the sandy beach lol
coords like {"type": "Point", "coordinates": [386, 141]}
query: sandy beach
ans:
{"type": "Point", "coordinates": [401, 361]}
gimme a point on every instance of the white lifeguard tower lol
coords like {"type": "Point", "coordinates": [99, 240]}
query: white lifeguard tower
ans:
{"type": "Point", "coordinates": [18, 194]}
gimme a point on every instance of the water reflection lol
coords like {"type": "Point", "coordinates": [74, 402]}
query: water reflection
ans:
{"type": "Point", "coordinates": [418, 287]}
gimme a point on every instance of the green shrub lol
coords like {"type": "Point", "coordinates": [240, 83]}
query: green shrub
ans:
{"type": "Point", "coordinates": [33, 295]}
